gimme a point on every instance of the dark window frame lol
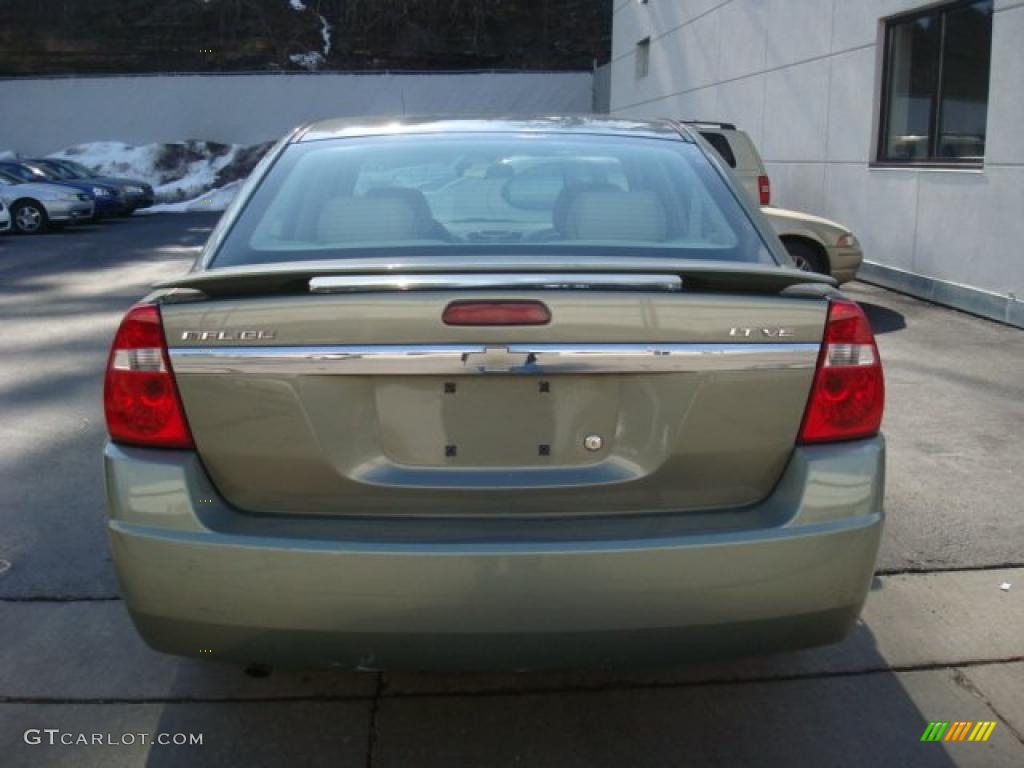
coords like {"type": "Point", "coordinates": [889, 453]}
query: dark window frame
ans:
{"type": "Point", "coordinates": [938, 12]}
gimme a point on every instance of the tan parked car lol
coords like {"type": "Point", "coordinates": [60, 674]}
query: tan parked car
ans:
{"type": "Point", "coordinates": [493, 393]}
{"type": "Point", "coordinates": [816, 244]}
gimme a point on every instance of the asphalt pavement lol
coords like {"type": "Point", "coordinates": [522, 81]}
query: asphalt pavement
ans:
{"type": "Point", "coordinates": [940, 638]}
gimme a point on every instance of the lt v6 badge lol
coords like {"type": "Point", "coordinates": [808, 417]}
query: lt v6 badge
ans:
{"type": "Point", "coordinates": [775, 333]}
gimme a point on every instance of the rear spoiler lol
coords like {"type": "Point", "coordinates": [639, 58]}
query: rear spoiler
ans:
{"type": "Point", "coordinates": [695, 275]}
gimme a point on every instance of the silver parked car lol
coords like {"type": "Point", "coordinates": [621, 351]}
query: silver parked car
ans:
{"type": "Point", "coordinates": [5, 218]}
{"type": "Point", "coordinates": [35, 206]}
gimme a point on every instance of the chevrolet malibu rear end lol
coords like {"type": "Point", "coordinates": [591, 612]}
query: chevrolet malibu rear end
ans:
{"type": "Point", "coordinates": [493, 394]}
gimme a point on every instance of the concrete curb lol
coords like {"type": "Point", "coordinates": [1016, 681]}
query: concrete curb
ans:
{"type": "Point", "coordinates": [1007, 309]}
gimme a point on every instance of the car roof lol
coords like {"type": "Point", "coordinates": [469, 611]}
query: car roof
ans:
{"type": "Point", "coordinates": [568, 124]}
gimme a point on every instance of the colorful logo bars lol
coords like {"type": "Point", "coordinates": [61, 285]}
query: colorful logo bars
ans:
{"type": "Point", "coordinates": [958, 730]}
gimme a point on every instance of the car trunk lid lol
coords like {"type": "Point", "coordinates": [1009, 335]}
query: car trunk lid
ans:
{"type": "Point", "coordinates": [632, 398]}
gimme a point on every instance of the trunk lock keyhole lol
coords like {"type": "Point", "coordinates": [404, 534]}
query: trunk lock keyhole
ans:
{"type": "Point", "coordinates": [593, 442]}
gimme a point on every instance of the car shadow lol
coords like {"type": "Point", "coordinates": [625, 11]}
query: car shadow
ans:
{"type": "Point", "coordinates": [883, 319]}
{"type": "Point", "coordinates": [836, 705]}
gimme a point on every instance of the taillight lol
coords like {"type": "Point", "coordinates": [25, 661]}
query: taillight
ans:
{"type": "Point", "coordinates": [764, 190]}
{"type": "Point", "coordinates": [848, 393]}
{"type": "Point", "coordinates": [140, 398]}
{"type": "Point", "coordinates": [496, 313]}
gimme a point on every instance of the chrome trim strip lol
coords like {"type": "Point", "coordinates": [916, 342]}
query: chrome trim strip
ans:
{"type": "Point", "coordinates": [463, 359]}
{"type": "Point", "coordinates": [469, 281]}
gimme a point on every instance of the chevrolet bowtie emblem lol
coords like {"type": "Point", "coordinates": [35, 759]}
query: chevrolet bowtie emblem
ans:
{"type": "Point", "coordinates": [495, 360]}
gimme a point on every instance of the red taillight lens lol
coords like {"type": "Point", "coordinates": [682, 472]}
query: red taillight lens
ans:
{"type": "Point", "coordinates": [140, 398]}
{"type": "Point", "coordinates": [848, 394]}
{"type": "Point", "coordinates": [496, 313]}
{"type": "Point", "coordinates": [764, 190]}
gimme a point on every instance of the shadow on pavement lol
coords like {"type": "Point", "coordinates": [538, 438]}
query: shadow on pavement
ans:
{"type": "Point", "coordinates": [883, 319]}
{"type": "Point", "coordinates": [28, 261]}
{"type": "Point", "coordinates": [833, 706]}
{"type": "Point", "coordinates": [61, 296]}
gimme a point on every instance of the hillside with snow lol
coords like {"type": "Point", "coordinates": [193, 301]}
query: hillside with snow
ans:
{"type": "Point", "coordinates": [186, 176]}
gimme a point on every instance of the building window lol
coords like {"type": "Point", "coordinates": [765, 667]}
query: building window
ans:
{"type": "Point", "coordinates": [935, 85]}
{"type": "Point", "coordinates": [643, 57]}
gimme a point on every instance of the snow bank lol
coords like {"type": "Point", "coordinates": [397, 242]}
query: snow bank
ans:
{"type": "Point", "coordinates": [186, 176]}
{"type": "Point", "coordinates": [215, 200]}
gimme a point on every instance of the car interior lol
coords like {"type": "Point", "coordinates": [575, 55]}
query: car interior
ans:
{"type": "Point", "coordinates": [347, 198]}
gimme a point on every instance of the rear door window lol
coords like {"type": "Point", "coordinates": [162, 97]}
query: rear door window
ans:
{"type": "Point", "coordinates": [721, 145]}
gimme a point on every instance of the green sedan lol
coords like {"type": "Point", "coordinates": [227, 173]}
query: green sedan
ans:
{"type": "Point", "coordinates": [493, 393]}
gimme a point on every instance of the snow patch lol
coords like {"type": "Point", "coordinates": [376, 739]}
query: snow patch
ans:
{"type": "Point", "coordinates": [186, 176]}
{"type": "Point", "coordinates": [310, 60]}
{"type": "Point", "coordinates": [325, 35]}
{"type": "Point", "coordinates": [115, 158]}
{"type": "Point", "coordinates": [200, 176]}
{"type": "Point", "coordinates": [214, 200]}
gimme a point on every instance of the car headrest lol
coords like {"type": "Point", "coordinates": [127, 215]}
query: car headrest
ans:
{"type": "Point", "coordinates": [616, 215]}
{"type": "Point", "coordinates": [367, 219]}
{"type": "Point", "coordinates": [416, 200]}
{"type": "Point", "coordinates": [560, 210]}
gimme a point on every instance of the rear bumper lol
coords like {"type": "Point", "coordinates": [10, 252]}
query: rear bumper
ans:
{"type": "Point", "coordinates": [493, 594]}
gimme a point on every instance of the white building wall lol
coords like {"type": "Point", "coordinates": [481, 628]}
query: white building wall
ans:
{"type": "Point", "coordinates": [802, 77]}
{"type": "Point", "coordinates": [42, 115]}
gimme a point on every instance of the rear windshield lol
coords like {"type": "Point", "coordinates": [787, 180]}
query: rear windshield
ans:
{"type": "Point", "coordinates": [471, 194]}
{"type": "Point", "coordinates": [721, 145]}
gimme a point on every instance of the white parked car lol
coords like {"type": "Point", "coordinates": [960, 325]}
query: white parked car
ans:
{"type": "Point", "coordinates": [35, 207]}
{"type": "Point", "coordinates": [814, 243]}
